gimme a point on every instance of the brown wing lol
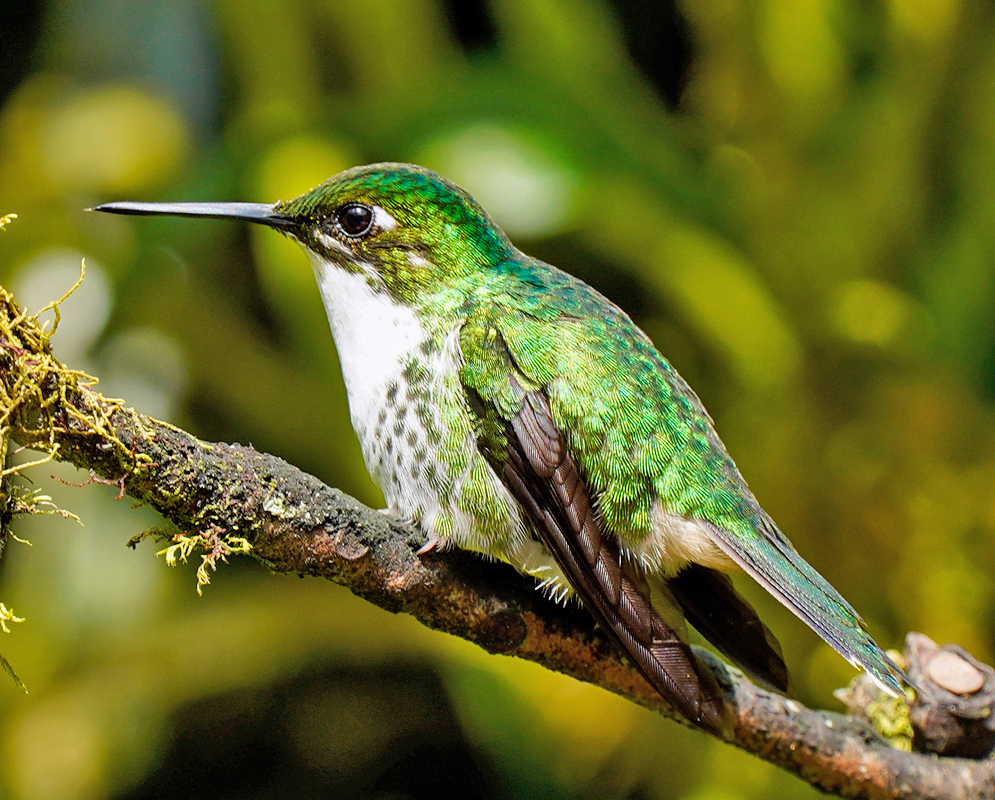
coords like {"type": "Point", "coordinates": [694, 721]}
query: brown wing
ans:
{"type": "Point", "coordinates": [546, 481]}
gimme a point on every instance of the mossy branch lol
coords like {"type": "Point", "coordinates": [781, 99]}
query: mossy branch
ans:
{"type": "Point", "coordinates": [229, 498]}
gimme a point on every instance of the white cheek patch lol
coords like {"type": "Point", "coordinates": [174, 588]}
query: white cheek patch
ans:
{"type": "Point", "coordinates": [383, 220]}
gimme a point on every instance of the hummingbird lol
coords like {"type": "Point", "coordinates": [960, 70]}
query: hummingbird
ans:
{"type": "Point", "coordinates": [507, 408]}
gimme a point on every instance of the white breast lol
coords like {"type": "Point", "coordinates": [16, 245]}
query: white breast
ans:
{"type": "Point", "coordinates": [413, 422]}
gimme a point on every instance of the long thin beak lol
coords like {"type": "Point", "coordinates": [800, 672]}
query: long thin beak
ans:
{"type": "Point", "coordinates": [251, 212]}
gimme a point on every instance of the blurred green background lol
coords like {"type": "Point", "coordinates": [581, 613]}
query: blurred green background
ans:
{"type": "Point", "coordinates": [794, 198]}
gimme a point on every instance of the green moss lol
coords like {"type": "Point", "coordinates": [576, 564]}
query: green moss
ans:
{"type": "Point", "coordinates": [890, 717]}
{"type": "Point", "coordinates": [217, 547]}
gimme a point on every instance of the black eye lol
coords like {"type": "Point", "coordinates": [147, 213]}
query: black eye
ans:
{"type": "Point", "coordinates": [356, 219]}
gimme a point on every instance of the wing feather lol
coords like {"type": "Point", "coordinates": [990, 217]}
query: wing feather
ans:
{"type": "Point", "coordinates": [546, 481]}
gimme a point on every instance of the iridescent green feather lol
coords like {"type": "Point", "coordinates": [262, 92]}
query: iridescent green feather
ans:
{"type": "Point", "coordinates": [638, 431]}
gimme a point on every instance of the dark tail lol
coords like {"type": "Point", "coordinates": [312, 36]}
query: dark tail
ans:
{"type": "Point", "coordinates": [724, 617]}
{"type": "Point", "coordinates": [771, 560]}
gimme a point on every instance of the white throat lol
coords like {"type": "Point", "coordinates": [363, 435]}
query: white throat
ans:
{"type": "Point", "coordinates": [373, 335]}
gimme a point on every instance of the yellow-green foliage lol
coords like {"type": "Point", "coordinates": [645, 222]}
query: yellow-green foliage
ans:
{"type": "Point", "coordinates": [29, 365]}
{"type": "Point", "coordinates": [7, 616]}
{"type": "Point", "coordinates": [890, 717]}
{"type": "Point", "coordinates": [32, 366]}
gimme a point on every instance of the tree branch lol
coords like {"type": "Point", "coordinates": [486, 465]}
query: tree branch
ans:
{"type": "Point", "coordinates": [296, 524]}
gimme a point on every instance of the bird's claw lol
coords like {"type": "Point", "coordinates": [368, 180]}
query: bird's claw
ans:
{"type": "Point", "coordinates": [429, 546]}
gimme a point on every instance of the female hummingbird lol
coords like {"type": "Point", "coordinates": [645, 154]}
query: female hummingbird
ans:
{"type": "Point", "coordinates": [508, 408]}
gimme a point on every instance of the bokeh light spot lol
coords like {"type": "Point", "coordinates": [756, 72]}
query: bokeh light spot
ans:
{"type": "Point", "coordinates": [521, 185]}
{"type": "Point", "coordinates": [299, 163]}
{"type": "Point", "coordinates": [800, 47]}
{"type": "Point", "coordinates": [57, 751]}
{"type": "Point", "coordinates": [926, 20]}
{"type": "Point", "coordinates": [112, 139]}
{"type": "Point", "coordinates": [871, 312]}
{"type": "Point", "coordinates": [48, 276]}
{"type": "Point", "coordinates": [148, 367]}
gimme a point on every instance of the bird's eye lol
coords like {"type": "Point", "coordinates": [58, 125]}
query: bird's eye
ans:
{"type": "Point", "coordinates": [356, 219]}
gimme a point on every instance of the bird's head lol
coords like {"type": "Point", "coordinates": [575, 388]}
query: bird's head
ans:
{"type": "Point", "coordinates": [408, 230]}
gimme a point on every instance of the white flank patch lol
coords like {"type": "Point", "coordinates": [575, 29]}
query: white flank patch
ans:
{"type": "Point", "coordinates": [372, 334]}
{"type": "Point", "coordinates": [676, 542]}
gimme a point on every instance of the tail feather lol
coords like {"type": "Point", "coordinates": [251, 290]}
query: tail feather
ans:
{"type": "Point", "coordinates": [771, 560]}
{"type": "Point", "coordinates": [724, 617]}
